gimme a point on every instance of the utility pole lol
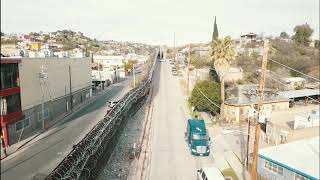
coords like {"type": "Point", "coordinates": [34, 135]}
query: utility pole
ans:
{"type": "Point", "coordinates": [248, 139]}
{"type": "Point", "coordinates": [42, 76]}
{"type": "Point", "coordinates": [188, 69]}
{"type": "Point", "coordinates": [260, 104]}
{"type": "Point", "coordinates": [99, 63]}
{"type": "Point", "coordinates": [250, 115]}
{"type": "Point", "coordinates": [174, 47]}
{"type": "Point", "coordinates": [134, 76]}
{"type": "Point", "coordinates": [70, 89]}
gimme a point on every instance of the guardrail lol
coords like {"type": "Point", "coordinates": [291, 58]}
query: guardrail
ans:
{"type": "Point", "coordinates": [83, 158]}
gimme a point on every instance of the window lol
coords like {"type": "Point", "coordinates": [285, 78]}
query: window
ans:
{"type": "Point", "coordinates": [273, 167]}
{"type": "Point", "coordinates": [280, 170]}
{"type": "Point", "coordinates": [46, 114]}
{"type": "Point", "coordinates": [19, 125]}
{"type": "Point", "coordinates": [3, 104]}
{"type": "Point", "coordinates": [9, 76]}
{"type": "Point", "coordinates": [22, 124]}
{"type": "Point", "coordinates": [199, 136]}
{"type": "Point", "coordinates": [299, 177]}
{"type": "Point", "coordinates": [26, 122]}
{"type": "Point", "coordinates": [13, 103]}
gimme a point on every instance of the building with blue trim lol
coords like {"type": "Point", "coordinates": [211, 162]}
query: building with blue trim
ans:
{"type": "Point", "coordinates": [297, 160]}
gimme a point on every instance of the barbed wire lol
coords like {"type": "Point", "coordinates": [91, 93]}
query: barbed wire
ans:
{"type": "Point", "coordinates": [83, 158]}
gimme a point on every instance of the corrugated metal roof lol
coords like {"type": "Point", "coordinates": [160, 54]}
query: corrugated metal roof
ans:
{"type": "Point", "coordinates": [301, 157]}
{"type": "Point", "coordinates": [299, 93]}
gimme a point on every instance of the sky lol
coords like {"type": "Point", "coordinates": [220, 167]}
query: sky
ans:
{"type": "Point", "coordinates": [156, 22]}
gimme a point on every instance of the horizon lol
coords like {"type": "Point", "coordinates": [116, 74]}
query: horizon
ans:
{"type": "Point", "coordinates": [192, 23]}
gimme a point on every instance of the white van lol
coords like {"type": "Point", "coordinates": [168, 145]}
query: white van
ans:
{"type": "Point", "coordinates": [209, 173]}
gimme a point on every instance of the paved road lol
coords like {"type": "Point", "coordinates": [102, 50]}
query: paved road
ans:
{"type": "Point", "coordinates": [171, 158]}
{"type": "Point", "coordinates": [43, 154]}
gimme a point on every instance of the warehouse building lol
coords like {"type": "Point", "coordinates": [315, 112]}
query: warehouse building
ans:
{"type": "Point", "coordinates": [36, 92]}
{"type": "Point", "coordinates": [298, 160]}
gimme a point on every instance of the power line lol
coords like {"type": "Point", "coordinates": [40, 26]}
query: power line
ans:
{"type": "Point", "coordinates": [295, 70]}
{"type": "Point", "coordinates": [207, 97]}
{"type": "Point", "coordinates": [277, 81]}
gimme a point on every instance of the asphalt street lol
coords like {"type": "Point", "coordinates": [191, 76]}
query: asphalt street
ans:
{"type": "Point", "coordinates": [38, 158]}
{"type": "Point", "coordinates": [170, 155]}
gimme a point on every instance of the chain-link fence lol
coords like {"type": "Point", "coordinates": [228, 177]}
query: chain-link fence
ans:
{"type": "Point", "coordinates": [84, 157]}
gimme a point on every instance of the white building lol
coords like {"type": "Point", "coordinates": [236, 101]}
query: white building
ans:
{"type": "Point", "coordinates": [294, 82]}
{"type": "Point", "coordinates": [307, 119]}
{"type": "Point", "coordinates": [234, 74]}
{"type": "Point", "coordinates": [46, 52]}
{"type": "Point", "coordinates": [62, 54]}
{"type": "Point", "coordinates": [298, 160]}
{"type": "Point", "coordinates": [248, 38]}
{"type": "Point", "coordinates": [103, 76]}
{"type": "Point", "coordinates": [77, 53]}
{"type": "Point", "coordinates": [110, 62]}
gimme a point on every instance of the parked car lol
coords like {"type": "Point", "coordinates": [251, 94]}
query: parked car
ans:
{"type": "Point", "coordinates": [175, 73]}
{"type": "Point", "coordinates": [209, 173]}
{"type": "Point", "coordinates": [112, 103]}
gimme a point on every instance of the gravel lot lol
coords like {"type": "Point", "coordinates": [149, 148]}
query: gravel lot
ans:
{"type": "Point", "coordinates": [118, 164]}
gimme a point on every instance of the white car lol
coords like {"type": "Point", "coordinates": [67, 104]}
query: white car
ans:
{"type": "Point", "coordinates": [112, 103]}
{"type": "Point", "coordinates": [209, 173]}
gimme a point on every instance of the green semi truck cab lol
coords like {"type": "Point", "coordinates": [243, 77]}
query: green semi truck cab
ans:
{"type": "Point", "coordinates": [197, 137]}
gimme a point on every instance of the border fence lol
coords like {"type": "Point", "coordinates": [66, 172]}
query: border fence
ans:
{"type": "Point", "coordinates": [85, 155]}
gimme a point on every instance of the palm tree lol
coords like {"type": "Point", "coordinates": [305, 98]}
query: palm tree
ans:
{"type": "Point", "coordinates": [222, 54]}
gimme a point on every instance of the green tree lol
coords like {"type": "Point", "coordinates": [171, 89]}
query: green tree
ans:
{"type": "Point", "coordinates": [302, 34]}
{"type": "Point", "coordinates": [284, 35]}
{"type": "Point", "coordinates": [215, 33]}
{"type": "Point", "coordinates": [34, 34]}
{"type": "Point", "coordinates": [222, 55]}
{"type": "Point", "coordinates": [211, 90]}
{"type": "Point", "coordinates": [129, 65]}
{"type": "Point", "coordinates": [46, 38]}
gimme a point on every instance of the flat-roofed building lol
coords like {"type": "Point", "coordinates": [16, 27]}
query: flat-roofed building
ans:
{"type": "Point", "coordinates": [296, 123]}
{"type": "Point", "coordinates": [302, 96]}
{"type": "Point", "coordinates": [242, 97]}
{"type": "Point", "coordinates": [233, 74]}
{"type": "Point", "coordinates": [297, 160]}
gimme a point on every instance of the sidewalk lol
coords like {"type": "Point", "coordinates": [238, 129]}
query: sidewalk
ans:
{"type": "Point", "coordinates": [61, 119]}
{"type": "Point", "coordinates": [43, 153]}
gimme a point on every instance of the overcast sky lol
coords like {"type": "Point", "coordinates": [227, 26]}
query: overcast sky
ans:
{"type": "Point", "coordinates": [155, 22]}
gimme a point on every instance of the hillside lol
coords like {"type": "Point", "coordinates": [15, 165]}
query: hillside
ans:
{"type": "Point", "coordinates": [302, 58]}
